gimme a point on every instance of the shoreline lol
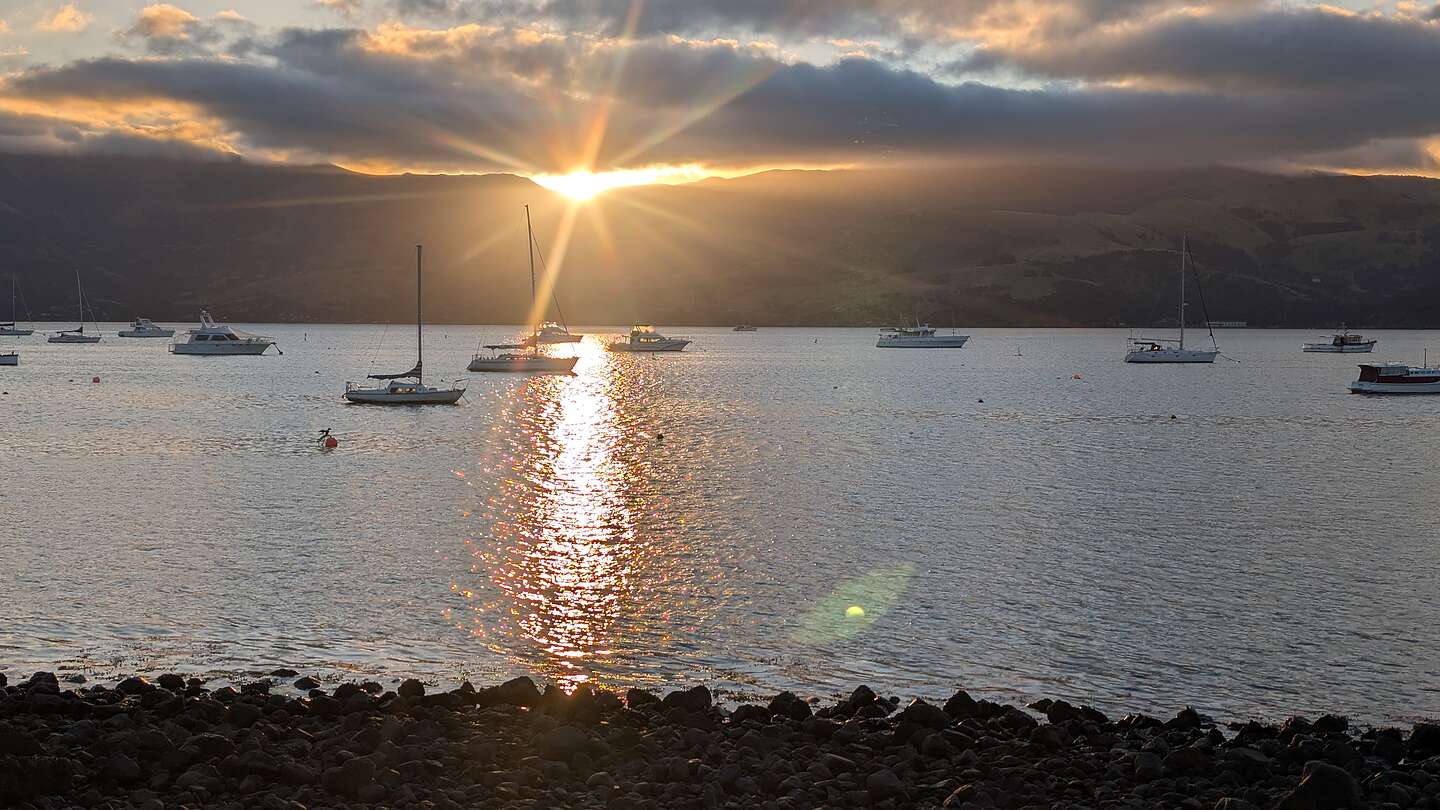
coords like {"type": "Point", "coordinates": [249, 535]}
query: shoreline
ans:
{"type": "Point", "coordinates": [176, 742]}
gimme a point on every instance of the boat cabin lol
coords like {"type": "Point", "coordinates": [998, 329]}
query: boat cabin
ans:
{"type": "Point", "coordinates": [1397, 372]}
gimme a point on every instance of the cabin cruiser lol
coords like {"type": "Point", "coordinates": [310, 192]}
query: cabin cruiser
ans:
{"type": "Point", "coordinates": [644, 338]}
{"type": "Point", "coordinates": [1154, 350]}
{"type": "Point", "coordinates": [511, 357]}
{"type": "Point", "coordinates": [919, 336]}
{"type": "Point", "coordinates": [1396, 378]}
{"type": "Point", "coordinates": [146, 328]}
{"type": "Point", "coordinates": [213, 338]}
{"type": "Point", "coordinates": [744, 327]}
{"type": "Point", "coordinates": [551, 333]}
{"type": "Point", "coordinates": [11, 359]}
{"type": "Point", "coordinates": [396, 391]}
{"type": "Point", "coordinates": [1342, 342]}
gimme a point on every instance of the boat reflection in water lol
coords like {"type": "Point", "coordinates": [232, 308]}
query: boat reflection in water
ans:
{"type": "Point", "coordinates": [579, 576]}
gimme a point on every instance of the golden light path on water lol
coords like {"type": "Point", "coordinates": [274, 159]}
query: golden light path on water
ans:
{"type": "Point", "coordinates": [573, 576]}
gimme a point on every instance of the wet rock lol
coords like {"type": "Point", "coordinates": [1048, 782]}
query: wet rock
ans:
{"type": "Point", "coordinates": [1148, 767]}
{"type": "Point", "coordinates": [696, 699]}
{"type": "Point", "coordinates": [639, 698]}
{"type": "Point", "coordinates": [923, 714]}
{"type": "Point", "coordinates": [785, 704]}
{"type": "Point", "coordinates": [210, 746]}
{"type": "Point", "coordinates": [1424, 741]}
{"type": "Point", "coordinates": [306, 683]}
{"type": "Point", "coordinates": [283, 672]}
{"type": "Point", "coordinates": [410, 688]}
{"type": "Point", "coordinates": [1331, 724]}
{"type": "Point", "coordinates": [1185, 760]}
{"type": "Point", "coordinates": [518, 692]}
{"type": "Point", "coordinates": [1324, 787]}
{"type": "Point", "coordinates": [750, 712]}
{"type": "Point", "coordinates": [563, 743]}
{"type": "Point", "coordinates": [349, 777]}
{"type": "Point", "coordinates": [171, 681]}
{"type": "Point", "coordinates": [961, 706]}
{"type": "Point", "coordinates": [883, 784]}
{"type": "Point", "coordinates": [122, 768]}
{"type": "Point", "coordinates": [17, 741]}
{"type": "Point", "coordinates": [133, 685]}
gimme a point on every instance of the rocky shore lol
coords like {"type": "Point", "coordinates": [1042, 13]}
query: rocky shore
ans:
{"type": "Point", "coordinates": [283, 742]}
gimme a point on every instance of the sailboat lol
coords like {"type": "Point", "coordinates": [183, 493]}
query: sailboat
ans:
{"type": "Point", "coordinates": [511, 356]}
{"type": "Point", "coordinates": [1158, 350]}
{"type": "Point", "coordinates": [77, 335]}
{"type": "Point", "coordinates": [11, 329]}
{"type": "Point", "coordinates": [395, 392]}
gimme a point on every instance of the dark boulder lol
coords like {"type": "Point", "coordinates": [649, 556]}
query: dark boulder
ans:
{"type": "Point", "coordinates": [923, 714]}
{"type": "Point", "coordinates": [171, 681]}
{"type": "Point", "coordinates": [134, 685]}
{"type": "Point", "coordinates": [1324, 787]}
{"type": "Point", "coordinates": [283, 672]}
{"type": "Point", "coordinates": [961, 706]}
{"type": "Point", "coordinates": [307, 683]}
{"type": "Point", "coordinates": [787, 704]}
{"type": "Point", "coordinates": [349, 777]}
{"type": "Point", "coordinates": [639, 698]}
{"type": "Point", "coordinates": [410, 688]}
{"type": "Point", "coordinates": [696, 699]}
{"type": "Point", "coordinates": [1424, 741]}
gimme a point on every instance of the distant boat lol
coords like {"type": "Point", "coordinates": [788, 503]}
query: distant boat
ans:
{"type": "Point", "coordinates": [1396, 378]}
{"type": "Point", "coordinates": [514, 357]}
{"type": "Point", "coordinates": [1342, 342]}
{"type": "Point", "coordinates": [1158, 350]}
{"type": "Point", "coordinates": [10, 329]}
{"type": "Point", "coordinates": [395, 392]}
{"type": "Point", "coordinates": [919, 336]}
{"type": "Point", "coordinates": [11, 359]}
{"type": "Point", "coordinates": [217, 339]}
{"type": "Point", "coordinates": [77, 335]}
{"type": "Point", "coordinates": [145, 328]}
{"type": "Point", "coordinates": [744, 327]}
{"type": "Point", "coordinates": [644, 338]}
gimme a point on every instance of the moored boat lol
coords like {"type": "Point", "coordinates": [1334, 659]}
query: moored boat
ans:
{"type": "Point", "coordinates": [146, 328]}
{"type": "Point", "coordinates": [11, 328]}
{"type": "Point", "coordinates": [217, 339]}
{"type": "Point", "coordinates": [1396, 378]}
{"type": "Point", "coordinates": [1158, 350]}
{"type": "Point", "coordinates": [644, 338]}
{"type": "Point", "coordinates": [919, 336]}
{"type": "Point", "coordinates": [1342, 342]}
{"type": "Point", "coordinates": [744, 327]}
{"type": "Point", "coordinates": [551, 333]}
{"type": "Point", "coordinates": [77, 335]}
{"type": "Point", "coordinates": [526, 357]}
{"type": "Point", "coordinates": [396, 392]}
{"type": "Point", "coordinates": [11, 359]}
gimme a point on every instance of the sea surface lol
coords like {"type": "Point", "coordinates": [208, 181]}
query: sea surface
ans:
{"type": "Point", "coordinates": [788, 509]}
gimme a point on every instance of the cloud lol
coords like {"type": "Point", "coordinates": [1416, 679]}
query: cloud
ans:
{"type": "Point", "coordinates": [4, 27]}
{"type": "Point", "coordinates": [349, 9]}
{"type": "Point", "coordinates": [230, 15]}
{"type": "Point", "coordinates": [162, 28]}
{"type": "Point", "coordinates": [67, 19]}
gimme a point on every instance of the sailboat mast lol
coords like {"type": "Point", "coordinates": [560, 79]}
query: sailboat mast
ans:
{"type": "Point", "coordinates": [530, 245]}
{"type": "Point", "coordinates": [419, 330]}
{"type": "Point", "coordinates": [1184, 251]}
{"type": "Point", "coordinates": [80, 299]}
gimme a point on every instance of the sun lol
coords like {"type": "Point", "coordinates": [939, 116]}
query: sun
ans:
{"type": "Point", "coordinates": [584, 185]}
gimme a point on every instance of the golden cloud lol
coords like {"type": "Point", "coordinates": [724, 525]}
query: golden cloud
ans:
{"type": "Point", "coordinates": [66, 19]}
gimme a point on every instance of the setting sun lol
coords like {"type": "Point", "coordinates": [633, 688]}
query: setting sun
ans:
{"type": "Point", "coordinates": [582, 185]}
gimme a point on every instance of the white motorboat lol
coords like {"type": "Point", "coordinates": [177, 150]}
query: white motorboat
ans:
{"type": "Point", "coordinates": [526, 357]}
{"type": "Point", "coordinates": [396, 392]}
{"type": "Point", "coordinates": [1396, 378]}
{"type": "Point", "coordinates": [919, 336]}
{"type": "Point", "coordinates": [1342, 342]}
{"type": "Point", "coordinates": [11, 359]}
{"type": "Point", "coordinates": [11, 328]}
{"type": "Point", "coordinates": [1156, 350]}
{"type": "Point", "coordinates": [550, 334]}
{"type": "Point", "coordinates": [644, 338]}
{"type": "Point", "coordinates": [77, 335]}
{"type": "Point", "coordinates": [146, 328]}
{"type": "Point", "coordinates": [217, 339]}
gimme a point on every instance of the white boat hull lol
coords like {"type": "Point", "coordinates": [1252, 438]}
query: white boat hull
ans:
{"type": "Point", "coordinates": [1171, 356]}
{"type": "Point", "coordinates": [651, 347]}
{"type": "Point", "coordinates": [553, 340]}
{"type": "Point", "coordinates": [73, 339]}
{"type": "Point", "coordinates": [922, 342]}
{"type": "Point", "coordinates": [1328, 348]}
{"type": "Point", "coordinates": [9, 359]}
{"type": "Point", "coordinates": [9, 332]}
{"type": "Point", "coordinates": [1363, 387]}
{"type": "Point", "coordinates": [380, 396]}
{"type": "Point", "coordinates": [220, 349]}
{"type": "Point", "coordinates": [158, 333]}
{"type": "Point", "coordinates": [524, 365]}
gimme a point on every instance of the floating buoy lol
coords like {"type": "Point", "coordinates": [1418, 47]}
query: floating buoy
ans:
{"type": "Point", "coordinates": [981, 401]}
{"type": "Point", "coordinates": [659, 437]}
{"type": "Point", "coordinates": [1075, 376]}
{"type": "Point", "coordinates": [1172, 416]}
{"type": "Point", "coordinates": [331, 443]}
{"type": "Point", "coordinates": [94, 379]}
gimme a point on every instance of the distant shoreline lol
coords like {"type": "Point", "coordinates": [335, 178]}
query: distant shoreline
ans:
{"type": "Point", "coordinates": [283, 740]}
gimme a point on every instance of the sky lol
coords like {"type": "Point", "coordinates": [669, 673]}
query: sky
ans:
{"type": "Point", "coordinates": [665, 90]}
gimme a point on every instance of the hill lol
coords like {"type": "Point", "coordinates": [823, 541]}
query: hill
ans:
{"type": "Point", "coordinates": [995, 246]}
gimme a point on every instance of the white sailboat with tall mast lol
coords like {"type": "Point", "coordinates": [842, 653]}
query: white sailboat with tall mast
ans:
{"type": "Point", "coordinates": [77, 335]}
{"type": "Point", "coordinates": [1159, 350]}
{"type": "Point", "coordinates": [12, 329]}
{"type": "Point", "coordinates": [396, 392]}
{"type": "Point", "coordinates": [526, 356]}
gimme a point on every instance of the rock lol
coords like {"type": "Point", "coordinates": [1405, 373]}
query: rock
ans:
{"type": "Point", "coordinates": [562, 743]}
{"type": "Point", "coordinates": [244, 714]}
{"type": "Point", "coordinates": [410, 688]}
{"type": "Point", "coordinates": [961, 706]}
{"type": "Point", "coordinates": [1059, 711]}
{"type": "Point", "coordinates": [1186, 718]}
{"type": "Point", "coordinates": [1331, 724]}
{"type": "Point", "coordinates": [1232, 803]}
{"type": "Point", "coordinates": [923, 714]}
{"type": "Point", "coordinates": [122, 768]}
{"type": "Point", "coordinates": [1148, 767]}
{"type": "Point", "coordinates": [935, 746]}
{"type": "Point", "coordinates": [638, 698]}
{"type": "Point", "coordinates": [307, 683]}
{"type": "Point", "coordinates": [350, 777]}
{"type": "Point", "coordinates": [750, 712]}
{"type": "Point", "coordinates": [1424, 741]}
{"type": "Point", "coordinates": [171, 681]}
{"type": "Point", "coordinates": [1185, 760]}
{"type": "Point", "coordinates": [787, 704]}
{"type": "Point", "coordinates": [283, 672]}
{"type": "Point", "coordinates": [518, 692]}
{"type": "Point", "coordinates": [961, 795]}
{"type": "Point", "coordinates": [133, 685]}
{"type": "Point", "coordinates": [17, 741]}
{"type": "Point", "coordinates": [211, 746]}
{"type": "Point", "coordinates": [1047, 737]}
{"type": "Point", "coordinates": [696, 699]}
{"type": "Point", "coordinates": [1324, 787]}
{"type": "Point", "coordinates": [883, 784]}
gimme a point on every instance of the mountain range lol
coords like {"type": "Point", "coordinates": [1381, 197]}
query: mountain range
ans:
{"type": "Point", "coordinates": [991, 246]}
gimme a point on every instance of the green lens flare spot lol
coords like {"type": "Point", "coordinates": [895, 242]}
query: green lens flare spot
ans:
{"type": "Point", "coordinates": [855, 612]}
{"type": "Point", "coordinates": [854, 605]}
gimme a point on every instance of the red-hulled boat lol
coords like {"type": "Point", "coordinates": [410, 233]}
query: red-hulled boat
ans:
{"type": "Point", "coordinates": [1396, 378]}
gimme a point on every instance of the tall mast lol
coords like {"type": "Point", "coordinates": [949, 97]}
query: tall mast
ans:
{"type": "Point", "coordinates": [80, 299]}
{"type": "Point", "coordinates": [530, 245]}
{"type": "Point", "coordinates": [419, 332]}
{"type": "Point", "coordinates": [1184, 251]}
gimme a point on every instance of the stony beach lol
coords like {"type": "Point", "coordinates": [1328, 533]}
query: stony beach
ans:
{"type": "Point", "coordinates": [283, 742]}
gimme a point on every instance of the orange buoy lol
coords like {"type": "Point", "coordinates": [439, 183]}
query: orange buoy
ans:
{"type": "Point", "coordinates": [331, 442]}
{"type": "Point", "coordinates": [94, 379]}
